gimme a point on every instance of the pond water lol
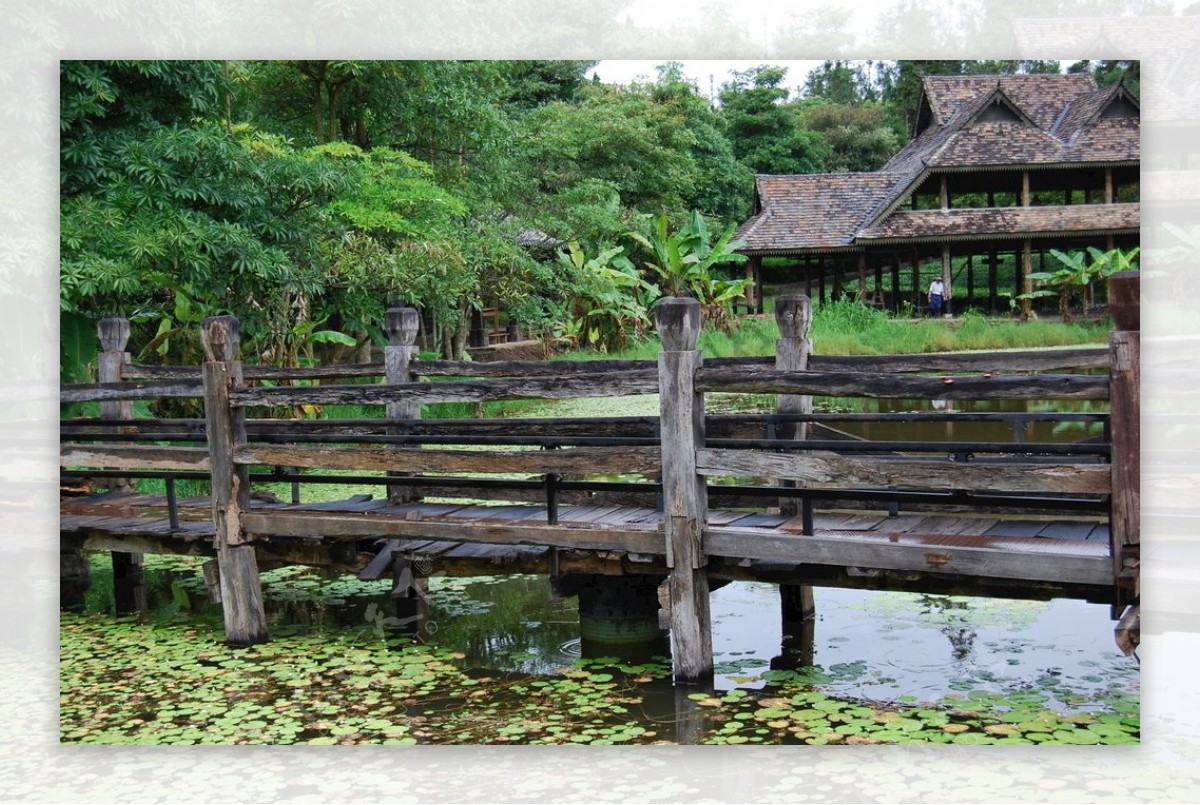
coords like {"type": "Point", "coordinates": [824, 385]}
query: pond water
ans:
{"type": "Point", "coordinates": [502, 653]}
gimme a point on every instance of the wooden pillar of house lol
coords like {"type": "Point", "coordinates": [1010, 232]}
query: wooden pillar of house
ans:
{"type": "Point", "coordinates": [821, 292]}
{"type": "Point", "coordinates": [947, 278]}
{"type": "Point", "coordinates": [896, 282]}
{"type": "Point", "coordinates": [970, 280]}
{"type": "Point", "coordinates": [752, 288]}
{"type": "Point", "coordinates": [1109, 197]}
{"type": "Point", "coordinates": [808, 279]}
{"type": "Point", "coordinates": [993, 275]}
{"type": "Point", "coordinates": [1024, 278]}
{"type": "Point", "coordinates": [918, 296]}
{"type": "Point", "coordinates": [838, 268]}
{"type": "Point", "coordinates": [1026, 284]}
{"type": "Point", "coordinates": [945, 193]}
{"type": "Point", "coordinates": [862, 276]}
{"type": "Point", "coordinates": [129, 590]}
{"type": "Point", "coordinates": [241, 590]}
{"type": "Point", "coordinates": [685, 494]}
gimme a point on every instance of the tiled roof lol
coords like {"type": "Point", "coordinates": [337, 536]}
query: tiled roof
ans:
{"type": "Point", "coordinates": [1015, 222]}
{"type": "Point", "coordinates": [812, 211]}
{"type": "Point", "coordinates": [1042, 97]}
{"type": "Point", "coordinates": [1043, 120]}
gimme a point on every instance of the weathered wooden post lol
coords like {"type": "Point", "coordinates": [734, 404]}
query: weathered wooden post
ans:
{"type": "Point", "coordinates": [1124, 303]}
{"type": "Point", "coordinates": [241, 592]}
{"type": "Point", "coordinates": [129, 591]}
{"type": "Point", "coordinates": [685, 496]}
{"type": "Point", "coordinates": [402, 324]}
{"type": "Point", "coordinates": [793, 314]}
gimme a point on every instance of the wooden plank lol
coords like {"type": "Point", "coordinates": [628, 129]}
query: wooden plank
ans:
{"type": "Point", "coordinates": [134, 457]}
{"type": "Point", "coordinates": [578, 460]}
{"type": "Point", "coordinates": [1067, 530]}
{"type": "Point", "coordinates": [601, 384]}
{"type": "Point", "coordinates": [1086, 357]}
{"type": "Point", "coordinates": [871, 384]}
{"type": "Point", "coordinates": [379, 565]}
{"type": "Point", "coordinates": [830, 471]}
{"type": "Point", "coordinates": [1060, 561]}
{"type": "Point", "coordinates": [100, 392]}
{"type": "Point", "coordinates": [299, 524]}
{"type": "Point", "coordinates": [758, 520]}
{"type": "Point", "coordinates": [586, 514]}
{"type": "Point", "coordinates": [1016, 528]}
{"type": "Point", "coordinates": [257, 372]}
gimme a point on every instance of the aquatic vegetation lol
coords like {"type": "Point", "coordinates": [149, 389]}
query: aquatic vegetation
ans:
{"type": "Point", "coordinates": [124, 682]}
{"type": "Point", "coordinates": [334, 675]}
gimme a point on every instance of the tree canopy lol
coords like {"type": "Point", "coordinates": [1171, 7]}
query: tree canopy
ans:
{"type": "Point", "coordinates": [305, 196]}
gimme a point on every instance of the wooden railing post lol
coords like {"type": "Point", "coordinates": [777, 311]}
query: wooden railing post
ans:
{"type": "Point", "coordinates": [793, 314]}
{"type": "Point", "coordinates": [685, 496]}
{"type": "Point", "coordinates": [402, 324]}
{"type": "Point", "coordinates": [1124, 299]}
{"type": "Point", "coordinates": [241, 591]}
{"type": "Point", "coordinates": [129, 592]}
{"type": "Point", "coordinates": [114, 336]}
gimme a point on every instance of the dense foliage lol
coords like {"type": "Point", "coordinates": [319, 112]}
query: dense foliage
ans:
{"type": "Point", "coordinates": [306, 196]}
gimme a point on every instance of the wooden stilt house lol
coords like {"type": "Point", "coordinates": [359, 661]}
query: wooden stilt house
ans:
{"type": "Point", "coordinates": [999, 170]}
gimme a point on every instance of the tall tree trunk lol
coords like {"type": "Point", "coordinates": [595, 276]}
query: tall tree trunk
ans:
{"type": "Point", "coordinates": [461, 334]}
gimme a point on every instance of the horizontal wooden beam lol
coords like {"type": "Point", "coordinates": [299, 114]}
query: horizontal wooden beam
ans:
{"type": "Point", "coordinates": [581, 460]}
{"type": "Point", "coordinates": [830, 471]}
{"type": "Point", "coordinates": [548, 388]}
{"type": "Point", "coordinates": [134, 457]}
{"type": "Point", "coordinates": [256, 372]}
{"type": "Point", "coordinates": [334, 526]}
{"type": "Point", "coordinates": [876, 384]}
{"type": "Point", "coordinates": [1057, 561]}
{"type": "Point", "coordinates": [99, 392]}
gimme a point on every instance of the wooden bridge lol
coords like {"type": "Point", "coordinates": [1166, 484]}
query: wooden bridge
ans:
{"type": "Point", "coordinates": [685, 498]}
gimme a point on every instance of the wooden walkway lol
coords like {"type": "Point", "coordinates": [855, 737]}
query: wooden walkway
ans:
{"type": "Point", "coordinates": [1023, 556]}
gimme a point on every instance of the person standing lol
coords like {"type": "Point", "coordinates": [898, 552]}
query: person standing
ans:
{"type": "Point", "coordinates": [937, 297]}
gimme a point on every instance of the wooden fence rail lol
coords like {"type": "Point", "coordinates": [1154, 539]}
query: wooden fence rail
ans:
{"type": "Point", "coordinates": [682, 445]}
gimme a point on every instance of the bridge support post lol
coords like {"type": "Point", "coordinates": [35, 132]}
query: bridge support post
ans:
{"type": "Point", "coordinates": [129, 591]}
{"type": "Point", "coordinates": [241, 591]}
{"type": "Point", "coordinates": [793, 314]}
{"type": "Point", "coordinates": [1124, 300]}
{"type": "Point", "coordinates": [685, 496]}
{"type": "Point", "coordinates": [402, 324]}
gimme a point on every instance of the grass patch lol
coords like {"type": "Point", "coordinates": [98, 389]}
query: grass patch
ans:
{"type": "Point", "coordinates": [849, 328]}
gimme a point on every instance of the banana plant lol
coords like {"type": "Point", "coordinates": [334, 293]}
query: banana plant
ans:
{"type": "Point", "coordinates": [684, 263]}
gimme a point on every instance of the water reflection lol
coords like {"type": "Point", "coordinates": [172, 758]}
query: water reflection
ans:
{"type": "Point", "coordinates": [870, 646]}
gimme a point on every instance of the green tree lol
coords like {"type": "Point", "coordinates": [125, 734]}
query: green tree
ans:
{"type": "Point", "coordinates": [765, 131]}
{"type": "Point", "coordinates": [841, 82]}
{"type": "Point", "coordinates": [856, 137]}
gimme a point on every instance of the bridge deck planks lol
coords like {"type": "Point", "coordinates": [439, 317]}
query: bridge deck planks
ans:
{"type": "Point", "coordinates": [115, 515]}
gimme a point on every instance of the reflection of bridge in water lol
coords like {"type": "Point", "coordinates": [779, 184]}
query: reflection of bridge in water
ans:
{"type": "Point", "coordinates": [785, 497]}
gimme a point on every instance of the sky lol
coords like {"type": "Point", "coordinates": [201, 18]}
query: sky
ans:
{"type": "Point", "coordinates": [709, 75]}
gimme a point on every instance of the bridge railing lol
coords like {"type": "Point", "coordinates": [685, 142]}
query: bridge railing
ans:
{"type": "Point", "coordinates": [783, 457]}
